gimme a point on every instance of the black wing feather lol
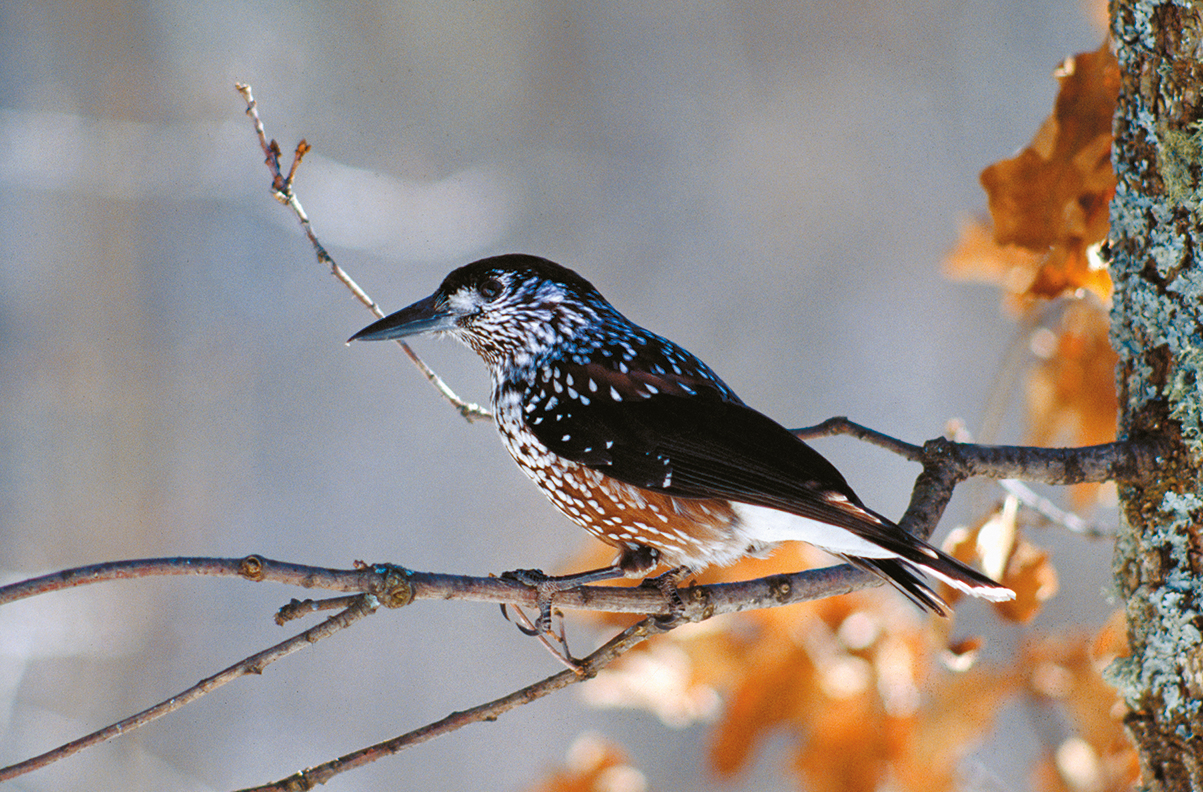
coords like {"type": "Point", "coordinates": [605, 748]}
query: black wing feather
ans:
{"type": "Point", "coordinates": [683, 436]}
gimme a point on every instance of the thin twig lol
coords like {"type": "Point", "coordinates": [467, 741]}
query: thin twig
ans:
{"type": "Point", "coordinates": [364, 606]}
{"type": "Point", "coordinates": [299, 609]}
{"type": "Point", "coordinates": [841, 425]}
{"type": "Point", "coordinates": [388, 583]}
{"type": "Point", "coordinates": [588, 668]}
{"type": "Point", "coordinates": [1053, 513]}
{"type": "Point", "coordinates": [282, 191]}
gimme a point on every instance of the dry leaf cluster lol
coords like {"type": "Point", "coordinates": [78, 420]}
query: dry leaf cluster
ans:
{"type": "Point", "coordinates": [1041, 246]}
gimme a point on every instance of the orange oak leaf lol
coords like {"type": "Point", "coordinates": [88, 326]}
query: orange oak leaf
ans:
{"type": "Point", "coordinates": [1031, 575]}
{"type": "Point", "coordinates": [1066, 672]}
{"type": "Point", "coordinates": [1049, 203]}
{"type": "Point", "coordinates": [1071, 394]}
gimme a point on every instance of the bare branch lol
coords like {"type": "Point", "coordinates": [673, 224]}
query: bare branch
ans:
{"type": "Point", "coordinates": [841, 425]}
{"type": "Point", "coordinates": [945, 464]}
{"type": "Point", "coordinates": [363, 606]}
{"type": "Point", "coordinates": [588, 668]}
{"type": "Point", "coordinates": [1127, 460]}
{"type": "Point", "coordinates": [1053, 513]}
{"type": "Point", "coordinates": [1121, 461]}
{"type": "Point", "coordinates": [282, 191]}
{"type": "Point", "coordinates": [396, 587]}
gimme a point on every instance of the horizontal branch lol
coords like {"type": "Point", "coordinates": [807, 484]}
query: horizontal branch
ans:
{"type": "Point", "coordinates": [396, 586]}
{"type": "Point", "coordinates": [252, 567]}
{"type": "Point", "coordinates": [945, 464]}
{"type": "Point", "coordinates": [1123, 460]}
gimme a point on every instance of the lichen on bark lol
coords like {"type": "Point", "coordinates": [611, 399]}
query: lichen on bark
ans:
{"type": "Point", "coordinates": [1157, 330]}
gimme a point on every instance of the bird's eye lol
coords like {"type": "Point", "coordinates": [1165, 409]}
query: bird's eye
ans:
{"type": "Point", "coordinates": [491, 289]}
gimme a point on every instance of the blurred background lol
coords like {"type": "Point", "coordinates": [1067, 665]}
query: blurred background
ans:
{"type": "Point", "coordinates": [771, 184]}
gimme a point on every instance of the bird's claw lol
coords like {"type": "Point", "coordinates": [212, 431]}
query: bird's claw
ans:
{"type": "Point", "coordinates": [544, 586]}
{"type": "Point", "coordinates": [669, 585]}
{"type": "Point", "coordinates": [522, 628]}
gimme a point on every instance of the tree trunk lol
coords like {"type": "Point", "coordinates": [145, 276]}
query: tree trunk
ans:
{"type": "Point", "coordinates": [1157, 329]}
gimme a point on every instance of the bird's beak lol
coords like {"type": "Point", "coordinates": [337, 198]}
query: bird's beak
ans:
{"type": "Point", "coordinates": [425, 316]}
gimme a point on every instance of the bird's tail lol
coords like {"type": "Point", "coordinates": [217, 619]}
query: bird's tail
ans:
{"type": "Point", "coordinates": [903, 577]}
{"type": "Point", "coordinates": [903, 574]}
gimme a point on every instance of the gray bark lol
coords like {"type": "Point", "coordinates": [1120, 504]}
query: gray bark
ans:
{"type": "Point", "coordinates": [1157, 329]}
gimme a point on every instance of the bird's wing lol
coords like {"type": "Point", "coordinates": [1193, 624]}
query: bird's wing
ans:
{"type": "Point", "coordinates": [686, 436]}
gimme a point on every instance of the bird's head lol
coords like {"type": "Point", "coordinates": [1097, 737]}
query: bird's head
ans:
{"type": "Point", "coordinates": [503, 307]}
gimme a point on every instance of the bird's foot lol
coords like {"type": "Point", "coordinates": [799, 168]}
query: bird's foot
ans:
{"type": "Point", "coordinates": [545, 586]}
{"type": "Point", "coordinates": [669, 585]}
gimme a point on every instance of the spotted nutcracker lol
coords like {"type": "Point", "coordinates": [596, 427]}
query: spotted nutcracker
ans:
{"type": "Point", "coordinates": [641, 444]}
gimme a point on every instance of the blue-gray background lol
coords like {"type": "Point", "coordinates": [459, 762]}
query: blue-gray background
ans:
{"type": "Point", "coordinates": [772, 184]}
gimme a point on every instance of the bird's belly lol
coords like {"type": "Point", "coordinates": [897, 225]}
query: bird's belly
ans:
{"type": "Point", "coordinates": [686, 532]}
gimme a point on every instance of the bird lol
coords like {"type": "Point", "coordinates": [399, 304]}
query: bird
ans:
{"type": "Point", "coordinates": [640, 443]}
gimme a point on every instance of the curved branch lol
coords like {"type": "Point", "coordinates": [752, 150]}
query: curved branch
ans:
{"type": "Point", "coordinates": [362, 579]}
{"type": "Point", "coordinates": [396, 587]}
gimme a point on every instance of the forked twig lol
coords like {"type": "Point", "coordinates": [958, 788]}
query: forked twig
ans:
{"type": "Point", "coordinates": [299, 609]}
{"type": "Point", "coordinates": [282, 191]}
{"type": "Point", "coordinates": [841, 425]}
